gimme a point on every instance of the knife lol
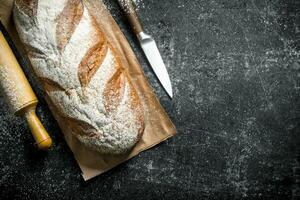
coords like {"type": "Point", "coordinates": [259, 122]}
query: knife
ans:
{"type": "Point", "coordinates": [148, 45]}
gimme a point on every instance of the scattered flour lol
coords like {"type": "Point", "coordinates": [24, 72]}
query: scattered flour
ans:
{"type": "Point", "coordinates": [137, 4]}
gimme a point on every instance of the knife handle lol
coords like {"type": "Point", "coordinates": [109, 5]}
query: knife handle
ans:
{"type": "Point", "coordinates": [128, 7]}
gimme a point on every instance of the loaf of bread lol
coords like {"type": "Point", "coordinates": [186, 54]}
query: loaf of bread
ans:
{"type": "Point", "coordinates": [81, 73]}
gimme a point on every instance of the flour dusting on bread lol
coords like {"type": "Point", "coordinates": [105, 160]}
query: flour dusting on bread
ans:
{"type": "Point", "coordinates": [81, 73]}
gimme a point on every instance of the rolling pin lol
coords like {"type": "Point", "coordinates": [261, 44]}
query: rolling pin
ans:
{"type": "Point", "coordinates": [19, 94]}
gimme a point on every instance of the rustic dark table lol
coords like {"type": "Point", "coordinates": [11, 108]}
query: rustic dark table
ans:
{"type": "Point", "coordinates": [235, 68]}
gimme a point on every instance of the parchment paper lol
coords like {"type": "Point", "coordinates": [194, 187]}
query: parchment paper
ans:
{"type": "Point", "coordinates": [158, 126]}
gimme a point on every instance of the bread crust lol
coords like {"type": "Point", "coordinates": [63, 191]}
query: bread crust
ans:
{"type": "Point", "coordinates": [91, 91]}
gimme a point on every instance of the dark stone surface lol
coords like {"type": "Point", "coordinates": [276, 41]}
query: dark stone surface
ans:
{"type": "Point", "coordinates": [235, 69]}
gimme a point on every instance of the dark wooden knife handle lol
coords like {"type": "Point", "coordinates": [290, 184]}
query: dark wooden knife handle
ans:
{"type": "Point", "coordinates": [132, 16]}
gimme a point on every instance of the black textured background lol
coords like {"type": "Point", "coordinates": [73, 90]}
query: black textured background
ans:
{"type": "Point", "coordinates": [235, 69]}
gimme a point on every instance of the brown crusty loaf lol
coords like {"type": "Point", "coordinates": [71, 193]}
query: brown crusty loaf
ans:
{"type": "Point", "coordinates": [81, 73]}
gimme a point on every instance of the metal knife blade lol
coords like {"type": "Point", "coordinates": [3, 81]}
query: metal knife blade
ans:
{"type": "Point", "coordinates": [152, 53]}
{"type": "Point", "coordinates": [148, 45]}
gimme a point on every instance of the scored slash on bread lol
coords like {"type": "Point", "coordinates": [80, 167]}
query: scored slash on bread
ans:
{"type": "Point", "coordinates": [81, 73]}
{"type": "Point", "coordinates": [67, 20]}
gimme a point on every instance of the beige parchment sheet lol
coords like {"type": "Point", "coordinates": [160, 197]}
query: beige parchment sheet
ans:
{"type": "Point", "coordinates": [158, 126]}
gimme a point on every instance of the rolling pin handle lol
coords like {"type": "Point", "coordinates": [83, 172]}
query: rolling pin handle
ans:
{"type": "Point", "coordinates": [39, 133]}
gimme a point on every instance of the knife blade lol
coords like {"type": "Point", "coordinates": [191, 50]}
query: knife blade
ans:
{"type": "Point", "coordinates": [148, 45]}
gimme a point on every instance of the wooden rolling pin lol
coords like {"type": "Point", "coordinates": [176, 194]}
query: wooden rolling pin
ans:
{"type": "Point", "coordinates": [19, 94]}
